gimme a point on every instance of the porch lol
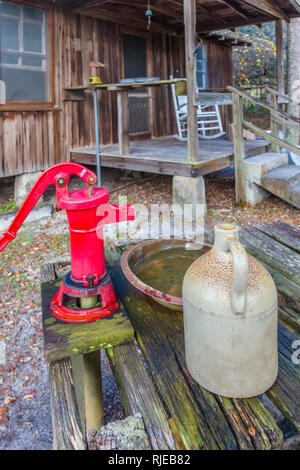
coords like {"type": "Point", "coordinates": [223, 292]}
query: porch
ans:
{"type": "Point", "coordinates": [168, 155]}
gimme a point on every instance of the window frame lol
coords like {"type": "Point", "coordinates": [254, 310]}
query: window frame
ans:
{"type": "Point", "coordinates": [38, 105]}
{"type": "Point", "coordinates": [204, 60]}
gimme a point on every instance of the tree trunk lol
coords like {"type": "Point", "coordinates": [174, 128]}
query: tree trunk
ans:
{"type": "Point", "coordinates": [294, 71]}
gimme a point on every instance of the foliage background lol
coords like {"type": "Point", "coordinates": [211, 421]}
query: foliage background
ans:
{"type": "Point", "coordinates": [256, 65]}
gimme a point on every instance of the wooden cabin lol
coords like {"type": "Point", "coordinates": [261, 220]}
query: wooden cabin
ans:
{"type": "Point", "coordinates": [45, 51]}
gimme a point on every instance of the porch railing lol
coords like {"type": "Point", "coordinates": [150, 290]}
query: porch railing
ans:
{"type": "Point", "coordinates": [278, 118]}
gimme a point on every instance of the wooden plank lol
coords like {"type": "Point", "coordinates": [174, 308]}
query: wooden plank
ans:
{"type": "Point", "coordinates": [129, 370]}
{"type": "Point", "coordinates": [239, 149]}
{"type": "Point", "coordinates": [73, 94]}
{"type": "Point", "coordinates": [271, 252]}
{"type": "Point", "coordinates": [190, 66]}
{"type": "Point", "coordinates": [285, 392]}
{"type": "Point", "coordinates": [283, 96]}
{"type": "Point", "coordinates": [259, 102]}
{"type": "Point", "coordinates": [280, 56]}
{"type": "Point", "coordinates": [92, 390]}
{"type": "Point", "coordinates": [67, 430]}
{"type": "Point", "coordinates": [123, 122]}
{"type": "Point", "coordinates": [274, 140]}
{"type": "Point", "coordinates": [289, 299]}
{"type": "Point", "coordinates": [296, 5]}
{"type": "Point", "coordinates": [128, 434]}
{"type": "Point", "coordinates": [236, 8]}
{"type": "Point", "coordinates": [63, 339]}
{"type": "Point", "coordinates": [152, 165]}
{"type": "Point", "coordinates": [253, 425]}
{"type": "Point", "coordinates": [274, 124]}
{"type": "Point", "coordinates": [268, 7]}
{"type": "Point", "coordinates": [284, 233]}
{"type": "Point", "coordinates": [214, 98]}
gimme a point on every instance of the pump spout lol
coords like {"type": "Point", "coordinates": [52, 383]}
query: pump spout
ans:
{"type": "Point", "coordinates": [57, 174]}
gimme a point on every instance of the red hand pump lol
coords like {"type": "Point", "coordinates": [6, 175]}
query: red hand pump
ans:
{"type": "Point", "coordinates": [86, 293]}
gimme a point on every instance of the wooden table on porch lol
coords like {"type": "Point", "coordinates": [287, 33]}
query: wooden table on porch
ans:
{"type": "Point", "coordinates": [153, 379]}
{"type": "Point", "coordinates": [122, 89]}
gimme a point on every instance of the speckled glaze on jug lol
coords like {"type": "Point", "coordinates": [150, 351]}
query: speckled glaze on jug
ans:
{"type": "Point", "coordinates": [230, 319]}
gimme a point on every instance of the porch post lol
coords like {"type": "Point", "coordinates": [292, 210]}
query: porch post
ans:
{"type": "Point", "coordinates": [279, 48]}
{"type": "Point", "coordinates": [190, 34]}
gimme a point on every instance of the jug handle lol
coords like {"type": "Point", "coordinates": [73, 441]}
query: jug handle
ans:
{"type": "Point", "coordinates": [240, 277]}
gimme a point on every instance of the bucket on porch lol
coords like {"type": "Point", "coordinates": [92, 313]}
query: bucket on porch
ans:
{"type": "Point", "coordinates": [230, 319]}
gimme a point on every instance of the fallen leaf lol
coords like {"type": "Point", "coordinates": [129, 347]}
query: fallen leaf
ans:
{"type": "Point", "coordinates": [3, 410]}
{"type": "Point", "coordinates": [252, 431]}
{"type": "Point", "coordinates": [8, 400]}
{"type": "Point", "coordinates": [3, 419]}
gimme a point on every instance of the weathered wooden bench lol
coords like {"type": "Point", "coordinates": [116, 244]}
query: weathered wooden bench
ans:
{"type": "Point", "coordinates": [151, 373]}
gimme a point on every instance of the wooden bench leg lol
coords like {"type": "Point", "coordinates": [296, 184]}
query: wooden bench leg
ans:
{"type": "Point", "coordinates": [88, 384]}
{"type": "Point", "coordinates": [67, 429]}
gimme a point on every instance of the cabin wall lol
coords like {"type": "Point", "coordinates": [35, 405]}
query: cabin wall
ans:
{"type": "Point", "coordinates": [33, 139]}
{"type": "Point", "coordinates": [220, 73]}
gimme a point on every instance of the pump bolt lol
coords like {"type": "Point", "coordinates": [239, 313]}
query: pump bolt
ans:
{"type": "Point", "coordinates": [61, 182]}
{"type": "Point", "coordinates": [90, 278]}
{"type": "Point", "coordinates": [91, 180]}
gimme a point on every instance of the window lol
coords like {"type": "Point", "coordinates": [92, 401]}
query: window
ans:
{"type": "Point", "coordinates": [201, 67]}
{"type": "Point", "coordinates": [23, 52]}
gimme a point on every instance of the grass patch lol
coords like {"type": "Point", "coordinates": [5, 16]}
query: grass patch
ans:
{"type": "Point", "coordinates": [9, 206]}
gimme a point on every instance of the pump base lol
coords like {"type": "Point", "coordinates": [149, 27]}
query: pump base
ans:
{"type": "Point", "coordinates": [76, 290]}
{"type": "Point", "coordinates": [80, 316]}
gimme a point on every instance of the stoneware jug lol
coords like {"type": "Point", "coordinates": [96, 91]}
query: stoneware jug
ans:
{"type": "Point", "coordinates": [230, 319]}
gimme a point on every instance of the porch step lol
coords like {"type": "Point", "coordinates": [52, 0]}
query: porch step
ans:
{"type": "Point", "coordinates": [257, 166]}
{"type": "Point", "coordinates": [284, 182]}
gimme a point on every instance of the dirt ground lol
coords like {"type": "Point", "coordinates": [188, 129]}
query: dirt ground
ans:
{"type": "Point", "coordinates": [25, 421]}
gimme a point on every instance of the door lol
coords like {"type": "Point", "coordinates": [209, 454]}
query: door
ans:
{"type": "Point", "coordinates": [135, 67]}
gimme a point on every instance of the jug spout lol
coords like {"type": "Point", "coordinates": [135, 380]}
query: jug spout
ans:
{"type": "Point", "coordinates": [224, 234]}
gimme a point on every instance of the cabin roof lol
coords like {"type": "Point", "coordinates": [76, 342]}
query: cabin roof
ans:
{"type": "Point", "coordinates": [167, 16]}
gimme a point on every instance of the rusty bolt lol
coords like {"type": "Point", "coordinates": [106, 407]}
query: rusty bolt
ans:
{"type": "Point", "coordinates": [91, 180]}
{"type": "Point", "coordinates": [90, 278]}
{"type": "Point", "coordinates": [61, 181]}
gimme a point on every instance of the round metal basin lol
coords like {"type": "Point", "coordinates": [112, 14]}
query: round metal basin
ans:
{"type": "Point", "coordinates": [157, 268]}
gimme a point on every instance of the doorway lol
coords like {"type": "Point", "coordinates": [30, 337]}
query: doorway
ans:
{"type": "Point", "coordinates": [135, 67]}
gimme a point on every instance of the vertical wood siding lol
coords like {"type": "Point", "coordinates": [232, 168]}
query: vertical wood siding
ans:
{"type": "Point", "coordinates": [33, 140]}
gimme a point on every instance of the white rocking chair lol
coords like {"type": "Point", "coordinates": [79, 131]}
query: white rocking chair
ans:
{"type": "Point", "coordinates": [209, 118]}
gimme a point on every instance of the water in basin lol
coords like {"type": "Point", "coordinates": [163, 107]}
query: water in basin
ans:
{"type": "Point", "coordinates": [165, 270]}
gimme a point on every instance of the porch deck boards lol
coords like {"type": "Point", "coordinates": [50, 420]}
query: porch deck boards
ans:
{"type": "Point", "coordinates": [168, 155]}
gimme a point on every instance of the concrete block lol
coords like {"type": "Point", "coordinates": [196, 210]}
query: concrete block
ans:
{"type": "Point", "coordinates": [188, 190]}
{"type": "Point", "coordinates": [23, 184]}
{"type": "Point", "coordinates": [284, 183]}
{"type": "Point", "coordinates": [189, 194]}
{"type": "Point", "coordinates": [254, 193]}
{"type": "Point", "coordinates": [255, 167]}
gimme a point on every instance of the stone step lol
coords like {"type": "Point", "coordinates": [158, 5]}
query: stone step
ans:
{"type": "Point", "coordinates": [284, 182]}
{"type": "Point", "coordinates": [255, 167]}
{"type": "Point", "coordinates": [295, 196]}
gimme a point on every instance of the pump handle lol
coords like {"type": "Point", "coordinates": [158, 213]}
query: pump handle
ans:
{"type": "Point", "coordinates": [56, 174]}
